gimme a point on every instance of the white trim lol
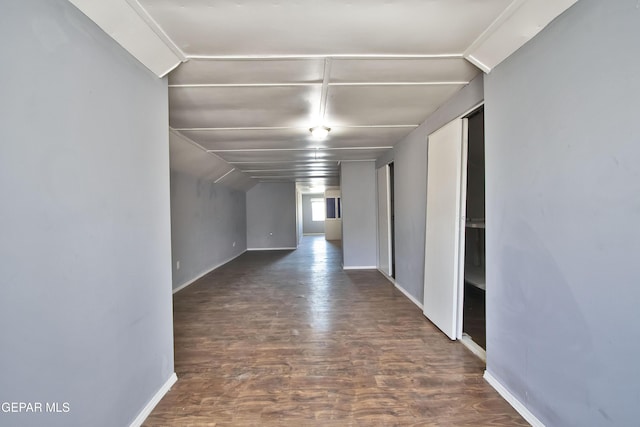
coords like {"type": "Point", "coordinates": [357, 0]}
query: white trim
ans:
{"type": "Point", "coordinates": [389, 278]}
{"type": "Point", "coordinates": [248, 171]}
{"type": "Point", "coordinates": [475, 61]}
{"type": "Point", "coordinates": [205, 85]}
{"type": "Point", "coordinates": [512, 400]}
{"type": "Point", "coordinates": [303, 161]}
{"type": "Point", "coordinates": [272, 249]}
{"type": "Point", "coordinates": [374, 126]}
{"type": "Point", "coordinates": [321, 56]}
{"type": "Point", "coordinates": [195, 144]}
{"type": "Point", "coordinates": [514, 27]}
{"type": "Point", "coordinates": [359, 267]}
{"type": "Point", "coordinates": [408, 295]}
{"type": "Point", "coordinates": [142, 416]}
{"type": "Point", "coordinates": [306, 128]}
{"type": "Point", "coordinates": [492, 28]}
{"type": "Point", "coordinates": [472, 110]}
{"type": "Point", "coordinates": [128, 23]}
{"type": "Point", "coordinates": [243, 128]}
{"type": "Point", "coordinates": [468, 342]}
{"type": "Point", "coordinates": [170, 69]}
{"type": "Point", "coordinates": [353, 161]}
{"type": "Point", "coordinates": [201, 275]}
{"type": "Point", "coordinates": [324, 95]}
{"type": "Point", "coordinates": [223, 176]}
{"type": "Point", "coordinates": [313, 234]}
{"type": "Point", "coordinates": [401, 289]}
{"type": "Point", "coordinates": [399, 83]}
{"type": "Point", "coordinates": [272, 177]}
{"type": "Point", "coordinates": [156, 28]}
{"type": "Point", "coordinates": [311, 149]}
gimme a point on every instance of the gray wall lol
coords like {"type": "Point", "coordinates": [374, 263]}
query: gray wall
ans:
{"type": "Point", "coordinates": [562, 155]}
{"type": "Point", "coordinates": [359, 214]}
{"type": "Point", "coordinates": [271, 216]}
{"type": "Point", "coordinates": [309, 226]}
{"type": "Point", "coordinates": [85, 253]}
{"type": "Point", "coordinates": [410, 188]}
{"type": "Point", "coordinates": [208, 226]}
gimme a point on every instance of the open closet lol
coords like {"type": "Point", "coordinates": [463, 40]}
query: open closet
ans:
{"type": "Point", "coordinates": [454, 275]}
{"type": "Point", "coordinates": [474, 320]}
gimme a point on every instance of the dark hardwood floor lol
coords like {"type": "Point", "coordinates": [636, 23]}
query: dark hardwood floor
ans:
{"type": "Point", "coordinates": [287, 338]}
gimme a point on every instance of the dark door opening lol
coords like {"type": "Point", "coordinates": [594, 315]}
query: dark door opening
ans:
{"type": "Point", "coordinates": [474, 312]}
{"type": "Point", "coordinates": [392, 220]}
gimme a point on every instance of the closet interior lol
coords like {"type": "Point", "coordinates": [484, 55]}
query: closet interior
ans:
{"type": "Point", "coordinates": [474, 320]}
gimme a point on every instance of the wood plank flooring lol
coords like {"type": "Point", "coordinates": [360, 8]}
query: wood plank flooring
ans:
{"type": "Point", "coordinates": [287, 338]}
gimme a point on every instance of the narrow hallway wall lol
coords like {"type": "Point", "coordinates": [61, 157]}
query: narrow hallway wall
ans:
{"type": "Point", "coordinates": [410, 168]}
{"type": "Point", "coordinates": [85, 253]}
{"type": "Point", "coordinates": [562, 155]}
{"type": "Point", "coordinates": [271, 216]}
{"type": "Point", "coordinates": [359, 214]}
{"type": "Point", "coordinates": [208, 226]}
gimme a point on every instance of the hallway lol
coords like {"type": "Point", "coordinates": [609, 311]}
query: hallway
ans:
{"type": "Point", "coordinates": [288, 338]}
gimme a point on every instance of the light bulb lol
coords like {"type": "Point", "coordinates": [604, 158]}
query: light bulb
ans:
{"type": "Point", "coordinates": [319, 132]}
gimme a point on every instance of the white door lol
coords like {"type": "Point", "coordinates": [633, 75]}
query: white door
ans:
{"type": "Point", "coordinates": [445, 192]}
{"type": "Point", "coordinates": [384, 222]}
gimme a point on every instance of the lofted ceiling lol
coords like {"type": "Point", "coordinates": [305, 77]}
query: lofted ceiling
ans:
{"type": "Point", "coordinates": [256, 75]}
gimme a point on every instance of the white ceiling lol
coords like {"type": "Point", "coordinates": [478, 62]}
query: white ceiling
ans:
{"type": "Point", "coordinates": [258, 74]}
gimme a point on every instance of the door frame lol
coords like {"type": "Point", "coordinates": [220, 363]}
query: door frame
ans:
{"type": "Point", "coordinates": [463, 219]}
{"type": "Point", "coordinates": [385, 193]}
{"type": "Point", "coordinates": [458, 278]}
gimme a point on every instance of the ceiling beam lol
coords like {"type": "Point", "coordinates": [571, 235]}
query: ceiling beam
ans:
{"type": "Point", "coordinates": [319, 56]}
{"type": "Point", "coordinates": [295, 127]}
{"type": "Point", "coordinates": [128, 23]}
{"type": "Point", "coordinates": [515, 26]}
{"type": "Point", "coordinates": [236, 150]}
{"type": "Point", "coordinates": [325, 91]}
{"type": "Point", "coordinates": [324, 84]}
{"type": "Point", "coordinates": [204, 85]}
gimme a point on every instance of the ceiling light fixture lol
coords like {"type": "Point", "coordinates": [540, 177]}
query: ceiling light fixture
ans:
{"type": "Point", "coordinates": [319, 132]}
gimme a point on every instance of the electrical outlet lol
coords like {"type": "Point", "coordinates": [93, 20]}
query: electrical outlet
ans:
{"type": "Point", "coordinates": [177, 265]}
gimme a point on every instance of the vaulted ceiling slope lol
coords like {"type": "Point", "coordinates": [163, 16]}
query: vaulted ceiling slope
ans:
{"type": "Point", "coordinates": [258, 74]}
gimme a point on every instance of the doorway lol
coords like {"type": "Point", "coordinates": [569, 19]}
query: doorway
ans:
{"type": "Point", "coordinates": [454, 285]}
{"type": "Point", "coordinates": [385, 256]}
{"type": "Point", "coordinates": [474, 299]}
{"type": "Point", "coordinates": [392, 224]}
{"type": "Point", "coordinates": [313, 215]}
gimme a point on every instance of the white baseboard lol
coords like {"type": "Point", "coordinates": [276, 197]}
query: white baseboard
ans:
{"type": "Point", "coordinates": [408, 295]}
{"type": "Point", "coordinates": [359, 267]}
{"type": "Point", "coordinates": [201, 275]}
{"type": "Point", "coordinates": [468, 342]}
{"type": "Point", "coordinates": [389, 278]}
{"type": "Point", "coordinates": [512, 400]}
{"type": "Point", "coordinates": [154, 401]}
{"type": "Point", "coordinates": [272, 249]}
{"type": "Point", "coordinates": [401, 289]}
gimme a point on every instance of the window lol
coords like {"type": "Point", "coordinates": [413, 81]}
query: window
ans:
{"type": "Point", "coordinates": [317, 209]}
{"type": "Point", "coordinates": [333, 208]}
